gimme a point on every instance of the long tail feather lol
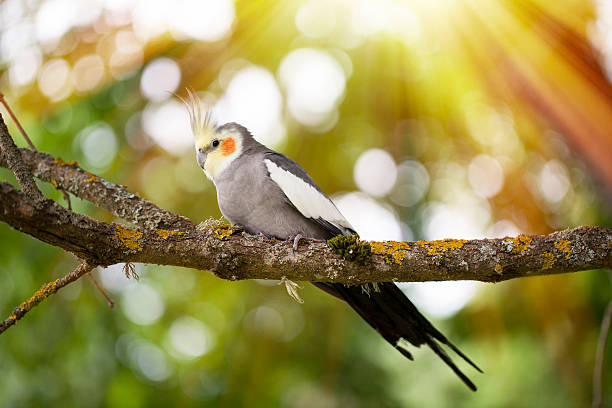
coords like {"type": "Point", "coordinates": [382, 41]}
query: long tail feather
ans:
{"type": "Point", "coordinates": [394, 316]}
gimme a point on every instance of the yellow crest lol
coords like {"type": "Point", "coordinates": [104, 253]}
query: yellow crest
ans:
{"type": "Point", "coordinates": [200, 119]}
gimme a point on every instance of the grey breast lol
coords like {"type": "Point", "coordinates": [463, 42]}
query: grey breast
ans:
{"type": "Point", "coordinates": [248, 197]}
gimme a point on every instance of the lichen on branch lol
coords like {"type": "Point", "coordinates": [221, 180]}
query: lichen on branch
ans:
{"type": "Point", "coordinates": [44, 292]}
{"type": "Point", "coordinates": [236, 255]}
{"type": "Point", "coordinates": [158, 236]}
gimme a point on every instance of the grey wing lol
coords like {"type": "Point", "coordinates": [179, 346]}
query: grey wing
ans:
{"type": "Point", "coordinates": [303, 194]}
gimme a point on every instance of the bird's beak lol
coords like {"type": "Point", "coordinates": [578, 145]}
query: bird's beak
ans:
{"type": "Point", "coordinates": [201, 157]}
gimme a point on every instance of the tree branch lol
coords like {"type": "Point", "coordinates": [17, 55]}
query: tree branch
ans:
{"type": "Point", "coordinates": [216, 247]}
{"type": "Point", "coordinates": [162, 237]}
{"type": "Point", "coordinates": [44, 292]}
{"type": "Point", "coordinates": [10, 154]}
{"type": "Point", "coordinates": [68, 176]}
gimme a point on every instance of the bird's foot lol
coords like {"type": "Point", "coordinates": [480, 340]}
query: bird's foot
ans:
{"type": "Point", "coordinates": [296, 242]}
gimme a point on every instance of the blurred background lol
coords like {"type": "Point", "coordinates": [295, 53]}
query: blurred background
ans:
{"type": "Point", "coordinates": [423, 119]}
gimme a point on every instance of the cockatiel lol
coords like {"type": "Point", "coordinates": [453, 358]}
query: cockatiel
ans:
{"type": "Point", "coordinates": [267, 193]}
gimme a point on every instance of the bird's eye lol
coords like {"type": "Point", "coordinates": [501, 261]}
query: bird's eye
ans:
{"type": "Point", "coordinates": [215, 143]}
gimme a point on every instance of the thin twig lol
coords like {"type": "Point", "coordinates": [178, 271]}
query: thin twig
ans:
{"type": "Point", "coordinates": [44, 292]}
{"type": "Point", "coordinates": [16, 164]}
{"type": "Point", "coordinates": [25, 136]}
{"type": "Point", "coordinates": [67, 198]}
{"type": "Point", "coordinates": [12, 115]}
{"type": "Point", "coordinates": [101, 290]}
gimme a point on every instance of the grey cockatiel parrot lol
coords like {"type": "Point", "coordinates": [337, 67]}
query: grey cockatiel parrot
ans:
{"type": "Point", "coordinates": [266, 192]}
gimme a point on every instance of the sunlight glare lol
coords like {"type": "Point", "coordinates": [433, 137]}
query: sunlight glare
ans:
{"type": "Point", "coordinates": [253, 99]}
{"type": "Point", "coordinates": [87, 73]}
{"type": "Point", "coordinates": [204, 20]}
{"type": "Point", "coordinates": [314, 82]}
{"type": "Point", "coordinates": [554, 181]}
{"type": "Point", "coordinates": [24, 67]}
{"type": "Point", "coordinates": [189, 338]}
{"type": "Point", "coordinates": [149, 360]}
{"type": "Point", "coordinates": [468, 217]}
{"type": "Point", "coordinates": [441, 299]}
{"type": "Point", "coordinates": [412, 183]}
{"type": "Point", "coordinates": [375, 172]}
{"type": "Point", "coordinates": [486, 175]}
{"type": "Point", "coordinates": [99, 145]}
{"type": "Point", "coordinates": [53, 79]}
{"type": "Point", "coordinates": [315, 19]}
{"type": "Point", "coordinates": [168, 125]}
{"type": "Point", "coordinates": [142, 304]}
{"type": "Point", "coordinates": [371, 219]}
{"type": "Point", "coordinates": [160, 78]}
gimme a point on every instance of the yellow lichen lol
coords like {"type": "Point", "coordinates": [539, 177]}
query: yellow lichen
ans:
{"type": "Point", "coordinates": [166, 233]}
{"type": "Point", "coordinates": [549, 260]}
{"type": "Point", "coordinates": [398, 257]}
{"type": "Point", "coordinates": [60, 162]}
{"type": "Point", "coordinates": [435, 247]}
{"type": "Point", "coordinates": [129, 237]}
{"type": "Point", "coordinates": [38, 296]}
{"type": "Point", "coordinates": [498, 269]}
{"type": "Point", "coordinates": [564, 246]}
{"type": "Point", "coordinates": [396, 250]}
{"type": "Point", "coordinates": [388, 247]}
{"type": "Point", "coordinates": [393, 249]}
{"type": "Point", "coordinates": [224, 233]}
{"type": "Point", "coordinates": [378, 247]}
{"type": "Point", "coordinates": [520, 243]}
{"type": "Point", "coordinates": [92, 177]}
{"type": "Point", "coordinates": [53, 182]}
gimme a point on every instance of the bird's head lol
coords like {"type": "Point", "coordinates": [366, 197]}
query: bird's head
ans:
{"type": "Point", "coordinates": [216, 146]}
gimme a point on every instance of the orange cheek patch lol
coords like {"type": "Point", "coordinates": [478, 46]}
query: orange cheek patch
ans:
{"type": "Point", "coordinates": [228, 146]}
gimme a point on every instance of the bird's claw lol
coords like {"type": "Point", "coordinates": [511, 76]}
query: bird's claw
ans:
{"type": "Point", "coordinates": [296, 242]}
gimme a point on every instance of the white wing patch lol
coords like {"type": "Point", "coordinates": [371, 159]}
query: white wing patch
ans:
{"type": "Point", "coordinates": [307, 199]}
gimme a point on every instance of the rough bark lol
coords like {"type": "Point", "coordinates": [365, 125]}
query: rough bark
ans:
{"type": "Point", "coordinates": [9, 153]}
{"type": "Point", "coordinates": [161, 237]}
{"type": "Point", "coordinates": [68, 176]}
{"type": "Point", "coordinates": [235, 255]}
